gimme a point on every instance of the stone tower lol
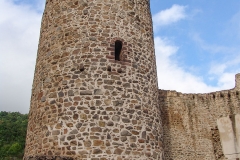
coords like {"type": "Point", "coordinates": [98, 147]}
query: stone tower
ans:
{"type": "Point", "coordinates": [95, 93]}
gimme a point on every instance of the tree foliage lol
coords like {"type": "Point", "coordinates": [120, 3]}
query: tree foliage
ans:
{"type": "Point", "coordinates": [13, 129]}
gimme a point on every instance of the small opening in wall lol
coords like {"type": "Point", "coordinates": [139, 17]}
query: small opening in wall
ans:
{"type": "Point", "coordinates": [109, 69]}
{"type": "Point", "coordinates": [81, 68]}
{"type": "Point", "coordinates": [118, 49]}
{"type": "Point", "coordinates": [229, 95]}
{"type": "Point", "coordinates": [221, 95]}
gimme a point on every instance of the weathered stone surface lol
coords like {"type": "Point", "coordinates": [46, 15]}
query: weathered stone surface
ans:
{"type": "Point", "coordinates": [116, 118]}
{"type": "Point", "coordinates": [70, 93]}
{"type": "Point", "coordinates": [126, 85]}
{"type": "Point", "coordinates": [110, 82]}
{"type": "Point", "coordinates": [102, 124]}
{"type": "Point", "coordinates": [70, 137]}
{"type": "Point", "coordinates": [107, 102]}
{"type": "Point", "coordinates": [43, 99]}
{"type": "Point", "coordinates": [83, 116]}
{"type": "Point", "coordinates": [141, 140]}
{"type": "Point", "coordinates": [83, 152]}
{"type": "Point", "coordinates": [126, 120]}
{"type": "Point", "coordinates": [133, 145]}
{"type": "Point", "coordinates": [48, 158]}
{"type": "Point", "coordinates": [98, 143]}
{"type": "Point", "coordinates": [97, 151]}
{"type": "Point", "coordinates": [87, 143]}
{"type": "Point", "coordinates": [96, 129]}
{"type": "Point", "coordinates": [62, 138]}
{"type": "Point", "coordinates": [75, 116]}
{"type": "Point", "coordinates": [144, 134]}
{"type": "Point", "coordinates": [135, 132]}
{"type": "Point", "coordinates": [182, 115]}
{"type": "Point", "coordinates": [84, 93]}
{"type": "Point", "coordinates": [56, 132]}
{"type": "Point", "coordinates": [133, 139]}
{"type": "Point", "coordinates": [75, 131]}
{"type": "Point", "coordinates": [98, 102]}
{"type": "Point", "coordinates": [123, 139]}
{"type": "Point", "coordinates": [125, 133]}
{"type": "Point", "coordinates": [64, 82]}
{"type": "Point", "coordinates": [110, 123]}
{"type": "Point", "coordinates": [118, 151]}
{"type": "Point", "coordinates": [78, 125]}
{"type": "Point", "coordinates": [118, 103]}
{"type": "Point", "coordinates": [47, 80]}
{"type": "Point", "coordinates": [109, 88]}
{"type": "Point", "coordinates": [77, 98]}
{"type": "Point", "coordinates": [110, 109]}
{"type": "Point", "coordinates": [98, 92]}
{"type": "Point", "coordinates": [53, 95]}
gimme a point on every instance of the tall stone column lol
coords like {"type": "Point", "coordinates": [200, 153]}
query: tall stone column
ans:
{"type": "Point", "coordinates": [95, 93]}
{"type": "Point", "coordinates": [237, 83]}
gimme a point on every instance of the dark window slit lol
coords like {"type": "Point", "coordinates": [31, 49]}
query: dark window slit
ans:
{"type": "Point", "coordinates": [118, 49]}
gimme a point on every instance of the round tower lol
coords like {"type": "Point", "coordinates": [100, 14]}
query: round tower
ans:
{"type": "Point", "coordinates": [95, 93]}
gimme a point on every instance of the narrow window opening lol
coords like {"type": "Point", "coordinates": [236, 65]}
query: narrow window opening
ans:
{"type": "Point", "coordinates": [118, 49]}
{"type": "Point", "coordinates": [109, 69]}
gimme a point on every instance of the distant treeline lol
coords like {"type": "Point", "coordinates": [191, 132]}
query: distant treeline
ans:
{"type": "Point", "coordinates": [13, 129]}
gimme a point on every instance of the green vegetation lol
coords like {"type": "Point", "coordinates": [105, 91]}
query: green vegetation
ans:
{"type": "Point", "coordinates": [13, 129]}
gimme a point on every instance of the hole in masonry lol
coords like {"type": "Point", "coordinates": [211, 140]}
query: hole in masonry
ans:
{"type": "Point", "coordinates": [109, 69]}
{"type": "Point", "coordinates": [118, 49]}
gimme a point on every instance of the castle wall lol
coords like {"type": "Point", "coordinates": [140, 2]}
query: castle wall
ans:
{"type": "Point", "coordinates": [85, 104]}
{"type": "Point", "coordinates": [190, 122]}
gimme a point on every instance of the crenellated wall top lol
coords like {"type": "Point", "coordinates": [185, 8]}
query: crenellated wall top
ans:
{"type": "Point", "coordinates": [212, 95]}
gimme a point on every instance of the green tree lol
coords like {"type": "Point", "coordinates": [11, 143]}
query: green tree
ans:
{"type": "Point", "coordinates": [4, 150]}
{"type": "Point", "coordinates": [13, 128]}
{"type": "Point", "coordinates": [15, 149]}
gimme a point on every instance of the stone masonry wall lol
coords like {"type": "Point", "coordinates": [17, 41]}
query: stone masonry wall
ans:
{"type": "Point", "coordinates": [190, 122]}
{"type": "Point", "coordinates": [85, 104]}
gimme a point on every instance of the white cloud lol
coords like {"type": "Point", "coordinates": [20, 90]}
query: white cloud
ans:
{"type": "Point", "coordinates": [169, 16]}
{"type": "Point", "coordinates": [225, 71]}
{"type": "Point", "coordinates": [225, 66]}
{"type": "Point", "coordinates": [226, 80]}
{"type": "Point", "coordinates": [19, 27]}
{"type": "Point", "coordinates": [217, 69]}
{"type": "Point", "coordinates": [172, 77]}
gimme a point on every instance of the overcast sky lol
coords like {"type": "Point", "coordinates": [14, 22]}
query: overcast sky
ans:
{"type": "Point", "coordinates": [197, 46]}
